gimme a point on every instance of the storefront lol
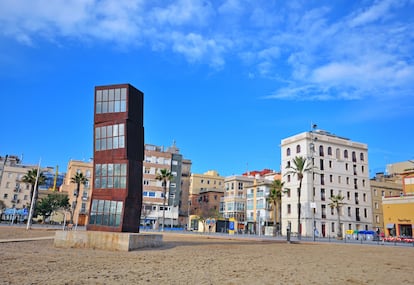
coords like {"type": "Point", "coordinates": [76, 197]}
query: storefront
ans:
{"type": "Point", "coordinates": [398, 216]}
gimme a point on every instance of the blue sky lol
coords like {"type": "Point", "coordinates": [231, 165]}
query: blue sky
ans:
{"type": "Point", "coordinates": [227, 80]}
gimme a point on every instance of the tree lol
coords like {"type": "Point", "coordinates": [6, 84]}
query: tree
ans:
{"type": "Point", "coordinates": [78, 179]}
{"type": "Point", "coordinates": [275, 198]}
{"type": "Point", "coordinates": [51, 203]}
{"type": "Point", "coordinates": [336, 203]}
{"type": "Point", "coordinates": [30, 177]}
{"type": "Point", "coordinates": [164, 175]}
{"type": "Point", "coordinates": [299, 168]}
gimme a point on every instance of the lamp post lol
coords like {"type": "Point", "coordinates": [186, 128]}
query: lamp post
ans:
{"type": "Point", "coordinates": [188, 214]}
{"type": "Point", "coordinates": [31, 211]}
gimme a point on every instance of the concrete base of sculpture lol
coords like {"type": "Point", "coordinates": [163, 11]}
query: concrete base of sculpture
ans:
{"type": "Point", "coordinates": [106, 240]}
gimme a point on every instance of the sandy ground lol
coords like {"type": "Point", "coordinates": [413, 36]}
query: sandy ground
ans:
{"type": "Point", "coordinates": [191, 259]}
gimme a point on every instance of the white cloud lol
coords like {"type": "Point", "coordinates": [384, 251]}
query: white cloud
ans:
{"type": "Point", "coordinates": [373, 13]}
{"type": "Point", "coordinates": [183, 12]}
{"type": "Point", "coordinates": [313, 52]}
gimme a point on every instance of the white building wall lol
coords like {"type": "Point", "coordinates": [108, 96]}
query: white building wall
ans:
{"type": "Point", "coordinates": [333, 173]}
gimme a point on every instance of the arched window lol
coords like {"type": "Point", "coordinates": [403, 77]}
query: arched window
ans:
{"type": "Point", "coordinates": [353, 156]}
{"type": "Point", "coordinates": [288, 151]}
{"type": "Point", "coordinates": [361, 156]}
{"type": "Point", "coordinates": [345, 153]}
{"type": "Point", "coordinates": [321, 151]}
{"type": "Point", "coordinates": [298, 149]}
{"type": "Point", "coordinates": [338, 154]}
{"type": "Point", "coordinates": [329, 151]}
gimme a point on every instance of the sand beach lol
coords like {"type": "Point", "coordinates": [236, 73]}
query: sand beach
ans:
{"type": "Point", "coordinates": [202, 259]}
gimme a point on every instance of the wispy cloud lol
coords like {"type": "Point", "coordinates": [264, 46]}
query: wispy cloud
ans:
{"type": "Point", "coordinates": [320, 52]}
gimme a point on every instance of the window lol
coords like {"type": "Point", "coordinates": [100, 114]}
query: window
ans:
{"type": "Point", "coordinates": [240, 186]}
{"type": "Point", "coordinates": [110, 137]}
{"type": "Point", "coordinates": [322, 179]}
{"type": "Point", "coordinates": [353, 156]}
{"type": "Point", "coordinates": [298, 149]}
{"type": "Point", "coordinates": [288, 151]}
{"type": "Point", "coordinates": [288, 178]}
{"type": "Point", "coordinates": [377, 220]}
{"type": "Point", "coordinates": [5, 195]}
{"type": "Point", "coordinates": [346, 166]}
{"type": "Point", "coordinates": [321, 164]}
{"type": "Point", "coordinates": [110, 175]}
{"type": "Point", "coordinates": [361, 156]}
{"type": "Point", "coordinates": [329, 150]}
{"type": "Point", "coordinates": [339, 179]}
{"type": "Point", "coordinates": [331, 178]}
{"type": "Point", "coordinates": [349, 211]}
{"type": "Point", "coordinates": [288, 192]}
{"type": "Point", "coordinates": [330, 164]}
{"type": "Point", "coordinates": [338, 153]}
{"type": "Point", "coordinates": [288, 164]}
{"type": "Point", "coordinates": [323, 211]}
{"type": "Point", "coordinates": [345, 153]}
{"type": "Point", "coordinates": [362, 169]}
{"type": "Point", "coordinates": [332, 193]}
{"type": "Point", "coordinates": [375, 192]}
{"type": "Point", "coordinates": [7, 184]}
{"type": "Point", "coordinates": [376, 205]}
{"type": "Point", "coordinates": [106, 213]}
{"type": "Point", "coordinates": [364, 197]}
{"type": "Point", "coordinates": [333, 227]}
{"type": "Point", "coordinates": [322, 194]}
{"type": "Point", "coordinates": [289, 208]}
{"type": "Point", "coordinates": [110, 100]}
{"type": "Point", "coordinates": [365, 213]}
{"type": "Point", "coordinates": [321, 151]}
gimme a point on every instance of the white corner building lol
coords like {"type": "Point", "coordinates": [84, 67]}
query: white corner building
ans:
{"type": "Point", "coordinates": [340, 166]}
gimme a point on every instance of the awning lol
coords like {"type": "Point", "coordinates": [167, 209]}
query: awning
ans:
{"type": "Point", "coordinates": [390, 226]}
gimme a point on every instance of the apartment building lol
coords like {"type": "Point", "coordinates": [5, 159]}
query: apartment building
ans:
{"type": "Point", "coordinates": [258, 212]}
{"type": "Point", "coordinates": [13, 191]}
{"type": "Point", "coordinates": [205, 193]}
{"type": "Point", "coordinates": [233, 204]}
{"type": "Point", "coordinates": [155, 159]}
{"type": "Point", "coordinates": [381, 186]}
{"type": "Point", "coordinates": [340, 166]}
{"type": "Point", "coordinates": [81, 212]}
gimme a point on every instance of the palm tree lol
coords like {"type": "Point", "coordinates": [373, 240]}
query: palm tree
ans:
{"type": "Point", "coordinates": [274, 198]}
{"type": "Point", "coordinates": [30, 177]}
{"type": "Point", "coordinates": [336, 203]}
{"type": "Point", "coordinates": [164, 175]}
{"type": "Point", "coordinates": [299, 168]}
{"type": "Point", "coordinates": [78, 179]}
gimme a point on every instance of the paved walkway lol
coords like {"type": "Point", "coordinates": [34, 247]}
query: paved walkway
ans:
{"type": "Point", "coordinates": [25, 239]}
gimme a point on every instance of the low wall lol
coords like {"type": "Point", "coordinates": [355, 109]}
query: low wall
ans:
{"type": "Point", "coordinates": [106, 240]}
